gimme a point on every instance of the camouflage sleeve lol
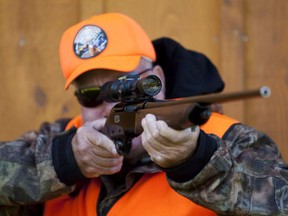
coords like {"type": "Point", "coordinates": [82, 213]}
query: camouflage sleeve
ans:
{"type": "Point", "coordinates": [27, 174]}
{"type": "Point", "coordinates": [245, 176]}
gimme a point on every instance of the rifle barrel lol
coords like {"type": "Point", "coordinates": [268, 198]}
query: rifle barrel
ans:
{"type": "Point", "coordinates": [263, 91]}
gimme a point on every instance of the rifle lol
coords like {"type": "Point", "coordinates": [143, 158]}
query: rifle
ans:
{"type": "Point", "coordinates": [135, 99]}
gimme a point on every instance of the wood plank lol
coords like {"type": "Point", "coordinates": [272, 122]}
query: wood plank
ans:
{"type": "Point", "coordinates": [88, 8]}
{"type": "Point", "coordinates": [267, 64]}
{"type": "Point", "coordinates": [30, 73]}
{"type": "Point", "coordinates": [232, 63]}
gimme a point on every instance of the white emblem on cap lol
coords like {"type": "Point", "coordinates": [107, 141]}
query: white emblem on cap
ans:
{"type": "Point", "coordinates": [90, 41]}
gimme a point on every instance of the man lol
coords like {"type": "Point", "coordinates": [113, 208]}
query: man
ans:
{"type": "Point", "coordinates": [198, 165]}
{"type": "Point", "coordinates": [241, 173]}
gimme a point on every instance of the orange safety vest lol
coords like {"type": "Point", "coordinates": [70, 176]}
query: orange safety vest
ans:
{"type": "Point", "coordinates": [151, 195]}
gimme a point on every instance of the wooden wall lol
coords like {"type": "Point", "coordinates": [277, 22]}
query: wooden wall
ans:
{"type": "Point", "coordinates": [246, 39]}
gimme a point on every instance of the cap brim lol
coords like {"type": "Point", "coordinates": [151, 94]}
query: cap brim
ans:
{"type": "Point", "coordinates": [117, 63]}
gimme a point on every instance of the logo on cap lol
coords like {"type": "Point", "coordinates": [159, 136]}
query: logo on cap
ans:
{"type": "Point", "coordinates": [90, 41]}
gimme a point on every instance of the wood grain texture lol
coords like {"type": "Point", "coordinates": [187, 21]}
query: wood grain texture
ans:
{"type": "Point", "coordinates": [31, 82]}
{"type": "Point", "coordinates": [267, 63]}
{"type": "Point", "coordinates": [232, 53]}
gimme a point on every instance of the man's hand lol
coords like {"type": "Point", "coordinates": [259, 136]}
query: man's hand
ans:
{"type": "Point", "coordinates": [94, 152]}
{"type": "Point", "coordinates": [167, 147]}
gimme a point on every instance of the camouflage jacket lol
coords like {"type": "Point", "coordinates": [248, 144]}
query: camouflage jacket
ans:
{"type": "Point", "coordinates": [27, 174]}
{"type": "Point", "coordinates": [244, 176]}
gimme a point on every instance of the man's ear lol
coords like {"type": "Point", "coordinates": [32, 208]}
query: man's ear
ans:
{"type": "Point", "coordinates": [158, 71]}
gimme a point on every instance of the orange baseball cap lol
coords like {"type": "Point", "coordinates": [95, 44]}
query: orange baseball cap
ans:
{"type": "Point", "coordinates": [107, 41]}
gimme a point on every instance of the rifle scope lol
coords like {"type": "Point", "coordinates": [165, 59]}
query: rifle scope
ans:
{"type": "Point", "coordinates": [131, 88]}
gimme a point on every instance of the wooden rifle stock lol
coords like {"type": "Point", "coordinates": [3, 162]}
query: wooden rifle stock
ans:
{"type": "Point", "coordinates": [124, 121]}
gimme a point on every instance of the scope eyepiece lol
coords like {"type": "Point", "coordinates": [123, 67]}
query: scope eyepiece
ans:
{"type": "Point", "coordinates": [150, 85]}
{"type": "Point", "coordinates": [131, 88]}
